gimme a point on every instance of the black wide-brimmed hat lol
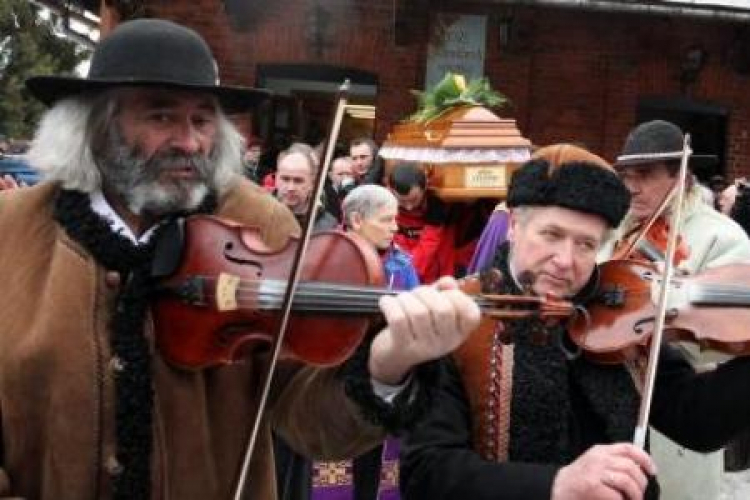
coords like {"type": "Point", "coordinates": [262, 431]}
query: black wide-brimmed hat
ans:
{"type": "Point", "coordinates": [150, 52]}
{"type": "Point", "coordinates": [571, 177]}
{"type": "Point", "coordinates": [655, 141]}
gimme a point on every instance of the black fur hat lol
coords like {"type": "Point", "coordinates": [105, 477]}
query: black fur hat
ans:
{"type": "Point", "coordinates": [151, 52]}
{"type": "Point", "coordinates": [570, 177]}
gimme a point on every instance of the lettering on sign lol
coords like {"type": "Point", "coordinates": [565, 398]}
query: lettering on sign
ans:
{"type": "Point", "coordinates": [457, 43]}
{"type": "Point", "coordinates": [485, 176]}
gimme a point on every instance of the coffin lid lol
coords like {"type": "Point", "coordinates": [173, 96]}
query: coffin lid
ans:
{"type": "Point", "coordinates": [464, 134]}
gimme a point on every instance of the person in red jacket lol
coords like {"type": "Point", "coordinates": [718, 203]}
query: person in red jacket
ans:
{"type": "Point", "coordinates": [422, 223]}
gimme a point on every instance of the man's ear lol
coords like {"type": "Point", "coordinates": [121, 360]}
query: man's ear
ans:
{"type": "Point", "coordinates": [355, 220]}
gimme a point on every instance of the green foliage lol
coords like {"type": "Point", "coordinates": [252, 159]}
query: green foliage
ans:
{"type": "Point", "coordinates": [452, 91]}
{"type": "Point", "coordinates": [29, 46]}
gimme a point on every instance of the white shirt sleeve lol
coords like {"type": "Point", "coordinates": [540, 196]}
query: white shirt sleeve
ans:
{"type": "Point", "coordinates": [388, 392]}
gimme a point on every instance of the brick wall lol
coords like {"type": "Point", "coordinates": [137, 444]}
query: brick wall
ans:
{"type": "Point", "coordinates": [571, 76]}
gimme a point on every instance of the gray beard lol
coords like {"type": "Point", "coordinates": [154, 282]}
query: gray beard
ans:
{"type": "Point", "coordinates": [135, 180]}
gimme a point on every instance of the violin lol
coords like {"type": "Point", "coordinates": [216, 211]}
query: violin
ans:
{"type": "Point", "coordinates": [221, 300]}
{"type": "Point", "coordinates": [651, 244]}
{"type": "Point", "coordinates": [709, 309]}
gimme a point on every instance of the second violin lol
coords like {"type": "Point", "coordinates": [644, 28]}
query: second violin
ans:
{"type": "Point", "coordinates": [711, 309]}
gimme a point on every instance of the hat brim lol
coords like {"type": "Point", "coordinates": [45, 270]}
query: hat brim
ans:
{"type": "Point", "coordinates": [634, 160]}
{"type": "Point", "coordinates": [49, 89]}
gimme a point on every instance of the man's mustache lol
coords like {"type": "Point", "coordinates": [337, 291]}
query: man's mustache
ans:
{"type": "Point", "coordinates": [174, 160]}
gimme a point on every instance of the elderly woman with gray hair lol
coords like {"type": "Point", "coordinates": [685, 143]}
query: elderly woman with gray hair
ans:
{"type": "Point", "coordinates": [370, 211]}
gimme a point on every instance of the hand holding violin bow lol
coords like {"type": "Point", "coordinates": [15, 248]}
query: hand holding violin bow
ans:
{"type": "Point", "coordinates": [612, 471]}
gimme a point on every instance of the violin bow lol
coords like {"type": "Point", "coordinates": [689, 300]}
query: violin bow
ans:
{"type": "Point", "coordinates": [292, 283]}
{"type": "Point", "coordinates": [639, 439]}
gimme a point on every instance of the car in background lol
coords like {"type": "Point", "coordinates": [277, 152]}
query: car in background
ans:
{"type": "Point", "coordinates": [18, 167]}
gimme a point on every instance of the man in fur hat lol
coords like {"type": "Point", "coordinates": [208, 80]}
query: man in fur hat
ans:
{"type": "Point", "coordinates": [516, 416]}
{"type": "Point", "coordinates": [89, 407]}
{"type": "Point", "coordinates": [649, 166]}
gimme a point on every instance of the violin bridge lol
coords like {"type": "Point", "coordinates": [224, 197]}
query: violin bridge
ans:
{"type": "Point", "coordinates": [226, 292]}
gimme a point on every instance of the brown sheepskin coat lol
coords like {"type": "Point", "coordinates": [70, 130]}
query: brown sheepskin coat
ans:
{"type": "Point", "coordinates": [57, 413]}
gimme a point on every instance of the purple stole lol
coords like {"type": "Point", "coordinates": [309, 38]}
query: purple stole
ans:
{"type": "Point", "coordinates": [334, 480]}
{"type": "Point", "coordinates": [494, 234]}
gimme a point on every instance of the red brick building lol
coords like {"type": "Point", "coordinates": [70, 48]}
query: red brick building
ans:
{"type": "Point", "coordinates": [572, 74]}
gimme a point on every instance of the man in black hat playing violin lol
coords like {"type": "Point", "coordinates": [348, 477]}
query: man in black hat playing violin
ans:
{"type": "Point", "coordinates": [519, 416]}
{"type": "Point", "coordinates": [648, 165]}
{"type": "Point", "coordinates": [89, 406]}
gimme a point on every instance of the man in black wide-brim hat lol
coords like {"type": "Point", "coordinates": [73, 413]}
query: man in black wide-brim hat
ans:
{"type": "Point", "coordinates": [649, 166]}
{"type": "Point", "coordinates": [90, 405]}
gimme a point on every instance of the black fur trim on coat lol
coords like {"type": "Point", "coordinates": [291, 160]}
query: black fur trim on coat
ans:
{"type": "Point", "coordinates": [574, 185]}
{"type": "Point", "coordinates": [406, 408]}
{"type": "Point", "coordinates": [133, 380]}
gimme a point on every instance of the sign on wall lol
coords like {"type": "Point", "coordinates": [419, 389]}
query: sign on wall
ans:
{"type": "Point", "coordinates": [457, 44]}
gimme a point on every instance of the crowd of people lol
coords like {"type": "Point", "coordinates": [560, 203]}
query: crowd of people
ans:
{"type": "Point", "coordinates": [438, 401]}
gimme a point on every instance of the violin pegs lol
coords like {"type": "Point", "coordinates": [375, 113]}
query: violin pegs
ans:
{"type": "Point", "coordinates": [491, 281]}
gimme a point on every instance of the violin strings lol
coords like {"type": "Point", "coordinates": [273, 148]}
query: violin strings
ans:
{"type": "Point", "coordinates": [724, 288]}
{"type": "Point", "coordinates": [324, 301]}
{"type": "Point", "coordinates": [316, 296]}
{"type": "Point", "coordinates": [727, 293]}
{"type": "Point", "coordinates": [253, 285]}
{"type": "Point", "coordinates": [341, 298]}
{"type": "Point", "coordinates": [312, 296]}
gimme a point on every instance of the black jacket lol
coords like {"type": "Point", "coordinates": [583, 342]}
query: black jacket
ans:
{"type": "Point", "coordinates": [559, 409]}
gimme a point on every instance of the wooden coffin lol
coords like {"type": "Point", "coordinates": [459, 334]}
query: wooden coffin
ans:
{"type": "Point", "coordinates": [468, 153]}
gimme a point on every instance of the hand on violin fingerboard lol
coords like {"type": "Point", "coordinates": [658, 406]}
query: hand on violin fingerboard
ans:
{"type": "Point", "coordinates": [423, 324]}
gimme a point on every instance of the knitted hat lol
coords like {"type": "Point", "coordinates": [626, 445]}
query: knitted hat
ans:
{"type": "Point", "coordinates": [150, 52]}
{"type": "Point", "coordinates": [570, 177]}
